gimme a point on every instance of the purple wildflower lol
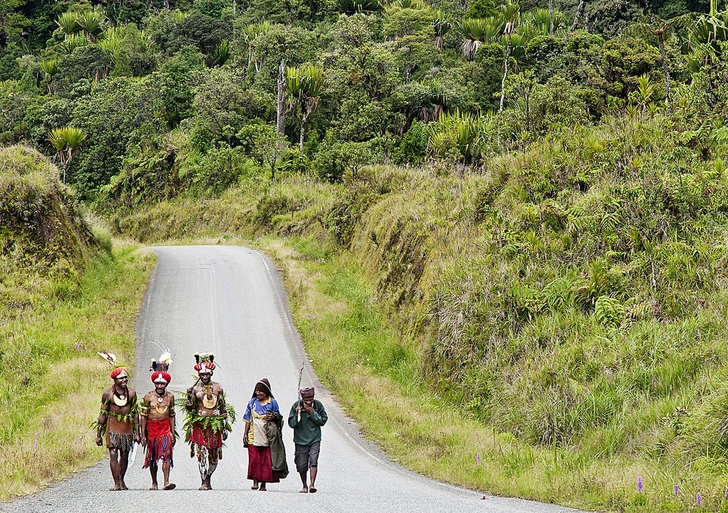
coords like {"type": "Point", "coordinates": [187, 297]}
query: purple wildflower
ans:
{"type": "Point", "coordinates": [478, 458]}
{"type": "Point", "coordinates": [675, 489]}
{"type": "Point", "coordinates": [639, 483]}
{"type": "Point", "coordinates": [698, 499]}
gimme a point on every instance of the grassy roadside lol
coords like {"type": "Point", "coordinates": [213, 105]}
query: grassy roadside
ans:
{"type": "Point", "coordinates": [46, 423]}
{"type": "Point", "coordinates": [375, 374]}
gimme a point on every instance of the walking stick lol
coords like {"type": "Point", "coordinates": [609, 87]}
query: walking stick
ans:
{"type": "Point", "coordinates": [300, 399]}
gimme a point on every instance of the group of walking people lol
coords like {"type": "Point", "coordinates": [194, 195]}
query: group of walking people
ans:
{"type": "Point", "coordinates": [124, 421]}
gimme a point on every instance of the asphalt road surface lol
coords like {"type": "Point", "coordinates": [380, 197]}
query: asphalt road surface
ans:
{"type": "Point", "coordinates": [230, 301]}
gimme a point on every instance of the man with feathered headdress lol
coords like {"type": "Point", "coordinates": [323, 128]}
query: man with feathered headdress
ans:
{"type": "Point", "coordinates": [119, 420]}
{"type": "Point", "coordinates": [158, 424]}
{"type": "Point", "coordinates": [207, 418]}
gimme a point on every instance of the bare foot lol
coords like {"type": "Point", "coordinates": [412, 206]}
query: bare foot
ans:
{"type": "Point", "coordinates": [262, 488]}
{"type": "Point", "coordinates": [114, 489]}
{"type": "Point", "coordinates": [205, 487]}
{"type": "Point", "coordinates": [312, 490]}
{"type": "Point", "coordinates": [154, 487]}
{"type": "Point", "coordinates": [304, 490]}
{"type": "Point", "coordinates": [170, 486]}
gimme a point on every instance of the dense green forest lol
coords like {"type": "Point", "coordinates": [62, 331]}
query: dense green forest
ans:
{"type": "Point", "coordinates": [535, 190]}
{"type": "Point", "coordinates": [143, 101]}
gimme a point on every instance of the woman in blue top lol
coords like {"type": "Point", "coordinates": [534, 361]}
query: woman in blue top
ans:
{"type": "Point", "coordinates": [261, 409]}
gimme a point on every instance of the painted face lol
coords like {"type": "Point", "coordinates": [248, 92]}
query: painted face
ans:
{"type": "Point", "coordinates": [205, 377]}
{"type": "Point", "coordinates": [122, 381]}
{"type": "Point", "coordinates": [160, 387]}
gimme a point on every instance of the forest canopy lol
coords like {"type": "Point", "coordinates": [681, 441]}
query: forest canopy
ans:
{"type": "Point", "coordinates": [196, 94]}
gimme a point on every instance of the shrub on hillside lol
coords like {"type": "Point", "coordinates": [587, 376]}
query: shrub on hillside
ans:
{"type": "Point", "coordinates": [39, 217]}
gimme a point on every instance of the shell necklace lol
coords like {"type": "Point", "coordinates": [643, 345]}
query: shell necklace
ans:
{"type": "Point", "coordinates": [120, 399]}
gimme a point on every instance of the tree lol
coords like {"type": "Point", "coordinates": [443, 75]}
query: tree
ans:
{"type": "Point", "coordinates": [510, 14]}
{"type": "Point", "coordinates": [49, 68]}
{"type": "Point", "coordinates": [481, 9]}
{"type": "Point", "coordinates": [478, 31]}
{"type": "Point", "coordinates": [131, 50]}
{"type": "Point", "coordinates": [281, 103]}
{"type": "Point", "coordinates": [551, 17]}
{"type": "Point", "coordinates": [222, 106]}
{"type": "Point", "coordinates": [304, 86]}
{"type": "Point", "coordinates": [68, 23]}
{"type": "Point", "coordinates": [443, 24]}
{"type": "Point", "coordinates": [264, 143]}
{"type": "Point", "coordinates": [121, 113]}
{"type": "Point", "coordinates": [66, 141]}
{"type": "Point", "coordinates": [92, 23]}
{"type": "Point", "coordinates": [664, 31]}
{"type": "Point", "coordinates": [579, 10]}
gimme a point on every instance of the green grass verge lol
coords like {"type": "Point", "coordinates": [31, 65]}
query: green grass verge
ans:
{"type": "Point", "coordinates": [375, 373]}
{"type": "Point", "coordinates": [50, 376]}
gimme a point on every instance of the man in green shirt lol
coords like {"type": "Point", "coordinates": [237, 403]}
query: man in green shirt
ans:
{"type": "Point", "coordinates": [306, 418]}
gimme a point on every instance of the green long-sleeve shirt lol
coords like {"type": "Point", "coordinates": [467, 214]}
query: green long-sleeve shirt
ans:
{"type": "Point", "coordinates": [308, 430]}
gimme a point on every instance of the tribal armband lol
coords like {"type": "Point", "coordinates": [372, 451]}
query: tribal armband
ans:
{"type": "Point", "coordinates": [144, 411]}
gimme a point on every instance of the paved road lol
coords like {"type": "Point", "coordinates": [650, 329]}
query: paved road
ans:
{"type": "Point", "coordinates": [230, 301]}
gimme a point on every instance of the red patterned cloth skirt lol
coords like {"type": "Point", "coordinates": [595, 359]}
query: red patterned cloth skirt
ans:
{"type": "Point", "coordinates": [260, 466]}
{"type": "Point", "coordinates": [159, 442]}
{"type": "Point", "coordinates": [206, 437]}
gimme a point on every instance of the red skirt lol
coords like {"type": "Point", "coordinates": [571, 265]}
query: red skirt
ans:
{"type": "Point", "coordinates": [206, 437]}
{"type": "Point", "coordinates": [158, 449]}
{"type": "Point", "coordinates": [260, 466]}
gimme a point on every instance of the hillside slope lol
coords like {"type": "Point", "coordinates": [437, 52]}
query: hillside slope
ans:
{"type": "Point", "coordinates": [572, 295]}
{"type": "Point", "coordinates": [42, 232]}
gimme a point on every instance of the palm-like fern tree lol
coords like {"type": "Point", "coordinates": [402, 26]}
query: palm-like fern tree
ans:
{"type": "Point", "coordinates": [66, 141]}
{"type": "Point", "coordinates": [443, 24]}
{"type": "Point", "coordinates": [49, 68]}
{"type": "Point", "coordinates": [68, 23]}
{"type": "Point", "coordinates": [220, 54]}
{"type": "Point", "coordinates": [304, 84]}
{"type": "Point", "coordinates": [250, 33]}
{"type": "Point", "coordinates": [92, 23]}
{"type": "Point", "coordinates": [478, 31]}
{"type": "Point", "coordinates": [510, 13]}
{"type": "Point", "coordinates": [72, 42]}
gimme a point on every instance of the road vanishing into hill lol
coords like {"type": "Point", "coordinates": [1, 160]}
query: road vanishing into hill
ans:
{"type": "Point", "coordinates": [230, 301]}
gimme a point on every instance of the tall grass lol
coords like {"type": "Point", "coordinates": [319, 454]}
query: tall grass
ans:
{"type": "Point", "coordinates": [50, 377]}
{"type": "Point", "coordinates": [628, 427]}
